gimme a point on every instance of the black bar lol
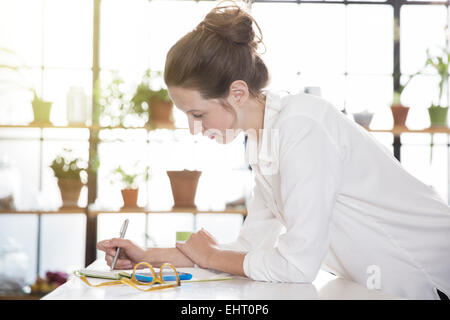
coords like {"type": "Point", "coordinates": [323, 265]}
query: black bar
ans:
{"type": "Point", "coordinates": [397, 146]}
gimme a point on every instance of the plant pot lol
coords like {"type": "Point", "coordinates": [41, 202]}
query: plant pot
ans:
{"type": "Point", "coordinates": [400, 113]}
{"type": "Point", "coordinates": [41, 111]}
{"type": "Point", "coordinates": [363, 118]}
{"type": "Point", "coordinates": [184, 186]}
{"type": "Point", "coordinates": [160, 113]}
{"type": "Point", "coordinates": [130, 197]}
{"type": "Point", "coordinates": [70, 192]}
{"type": "Point", "coordinates": [438, 116]}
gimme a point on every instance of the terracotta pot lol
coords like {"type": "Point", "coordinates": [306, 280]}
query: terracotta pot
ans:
{"type": "Point", "coordinates": [184, 186]}
{"type": "Point", "coordinates": [130, 197]}
{"type": "Point", "coordinates": [400, 113]}
{"type": "Point", "coordinates": [160, 112]}
{"type": "Point", "coordinates": [70, 191]}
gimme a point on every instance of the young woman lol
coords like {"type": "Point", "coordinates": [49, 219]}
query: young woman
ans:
{"type": "Point", "coordinates": [327, 194]}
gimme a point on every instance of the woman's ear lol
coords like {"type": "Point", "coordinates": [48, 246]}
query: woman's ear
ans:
{"type": "Point", "coordinates": [238, 93]}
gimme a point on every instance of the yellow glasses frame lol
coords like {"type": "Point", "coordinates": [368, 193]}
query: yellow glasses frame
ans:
{"type": "Point", "coordinates": [133, 282]}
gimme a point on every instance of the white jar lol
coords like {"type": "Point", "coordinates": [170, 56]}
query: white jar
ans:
{"type": "Point", "coordinates": [13, 267]}
{"type": "Point", "coordinates": [77, 111]}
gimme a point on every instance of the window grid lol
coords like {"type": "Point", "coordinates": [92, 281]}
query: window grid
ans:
{"type": "Point", "coordinates": [397, 5]}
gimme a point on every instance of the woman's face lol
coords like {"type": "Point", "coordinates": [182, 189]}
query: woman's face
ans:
{"type": "Point", "coordinates": [207, 117]}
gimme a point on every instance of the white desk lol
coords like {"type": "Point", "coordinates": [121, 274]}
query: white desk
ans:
{"type": "Point", "coordinates": [326, 286]}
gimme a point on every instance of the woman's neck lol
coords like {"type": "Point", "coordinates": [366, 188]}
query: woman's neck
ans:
{"type": "Point", "coordinates": [255, 118]}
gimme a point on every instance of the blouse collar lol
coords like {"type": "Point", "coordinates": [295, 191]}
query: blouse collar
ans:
{"type": "Point", "coordinates": [267, 149]}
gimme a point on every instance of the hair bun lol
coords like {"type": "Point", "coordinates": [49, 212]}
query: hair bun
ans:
{"type": "Point", "coordinates": [232, 23]}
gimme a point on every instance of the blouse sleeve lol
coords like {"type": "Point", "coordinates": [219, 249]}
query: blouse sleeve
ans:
{"type": "Point", "coordinates": [310, 173]}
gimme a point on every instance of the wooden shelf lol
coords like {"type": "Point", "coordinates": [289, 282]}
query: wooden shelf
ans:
{"type": "Point", "coordinates": [59, 211]}
{"type": "Point", "coordinates": [31, 296]}
{"type": "Point", "coordinates": [84, 126]}
{"type": "Point", "coordinates": [399, 130]}
{"type": "Point", "coordinates": [395, 130]}
{"type": "Point", "coordinates": [45, 126]}
{"type": "Point", "coordinates": [174, 210]}
{"type": "Point", "coordinates": [127, 210]}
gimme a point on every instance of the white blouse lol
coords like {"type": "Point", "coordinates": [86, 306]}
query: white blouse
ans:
{"type": "Point", "coordinates": [328, 195]}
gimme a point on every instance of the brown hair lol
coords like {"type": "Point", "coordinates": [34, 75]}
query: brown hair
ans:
{"type": "Point", "coordinates": [221, 49]}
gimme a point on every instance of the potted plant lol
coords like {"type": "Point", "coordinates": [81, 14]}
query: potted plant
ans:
{"type": "Point", "coordinates": [130, 184]}
{"type": "Point", "coordinates": [363, 118]}
{"type": "Point", "coordinates": [154, 105]}
{"type": "Point", "coordinates": [184, 186]}
{"type": "Point", "coordinates": [400, 111]}
{"type": "Point", "coordinates": [113, 101]}
{"type": "Point", "coordinates": [438, 112]}
{"type": "Point", "coordinates": [69, 170]}
{"type": "Point", "coordinates": [41, 108]}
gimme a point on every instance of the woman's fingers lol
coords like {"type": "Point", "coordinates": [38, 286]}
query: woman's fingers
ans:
{"type": "Point", "coordinates": [103, 245]}
{"type": "Point", "coordinates": [119, 242]}
{"type": "Point", "coordinates": [113, 243]}
{"type": "Point", "coordinates": [120, 263]}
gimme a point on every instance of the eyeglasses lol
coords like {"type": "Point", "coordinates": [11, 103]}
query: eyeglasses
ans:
{"type": "Point", "coordinates": [157, 283]}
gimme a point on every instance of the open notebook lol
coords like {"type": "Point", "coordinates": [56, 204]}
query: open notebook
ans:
{"type": "Point", "coordinates": [105, 274]}
{"type": "Point", "coordinates": [187, 274]}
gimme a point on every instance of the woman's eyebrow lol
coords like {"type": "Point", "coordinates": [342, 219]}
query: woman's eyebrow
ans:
{"type": "Point", "coordinates": [192, 110]}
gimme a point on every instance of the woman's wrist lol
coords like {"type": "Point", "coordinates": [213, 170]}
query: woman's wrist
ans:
{"type": "Point", "coordinates": [157, 256]}
{"type": "Point", "coordinates": [214, 259]}
{"type": "Point", "coordinates": [227, 261]}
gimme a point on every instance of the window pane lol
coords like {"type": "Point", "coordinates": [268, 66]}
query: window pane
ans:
{"type": "Point", "coordinates": [68, 33]}
{"type": "Point", "coordinates": [63, 242]}
{"type": "Point", "coordinates": [416, 37]}
{"type": "Point", "coordinates": [22, 228]}
{"type": "Point", "coordinates": [21, 29]}
{"type": "Point", "coordinates": [124, 45]}
{"type": "Point", "coordinates": [331, 86]}
{"type": "Point", "coordinates": [24, 156]}
{"type": "Point", "coordinates": [282, 48]}
{"type": "Point", "coordinates": [153, 29]}
{"type": "Point", "coordinates": [15, 101]}
{"type": "Point", "coordinates": [370, 37]}
{"type": "Point", "coordinates": [373, 94]}
{"type": "Point", "coordinates": [163, 30]}
{"type": "Point", "coordinates": [321, 38]}
{"type": "Point", "coordinates": [56, 86]}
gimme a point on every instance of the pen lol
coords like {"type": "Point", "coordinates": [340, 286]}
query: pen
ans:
{"type": "Point", "coordinates": [122, 235]}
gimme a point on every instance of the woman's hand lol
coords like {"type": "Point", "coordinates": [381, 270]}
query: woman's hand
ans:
{"type": "Point", "coordinates": [130, 253]}
{"type": "Point", "coordinates": [200, 248]}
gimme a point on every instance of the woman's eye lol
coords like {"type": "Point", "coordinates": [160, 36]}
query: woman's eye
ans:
{"type": "Point", "coordinates": [197, 116]}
